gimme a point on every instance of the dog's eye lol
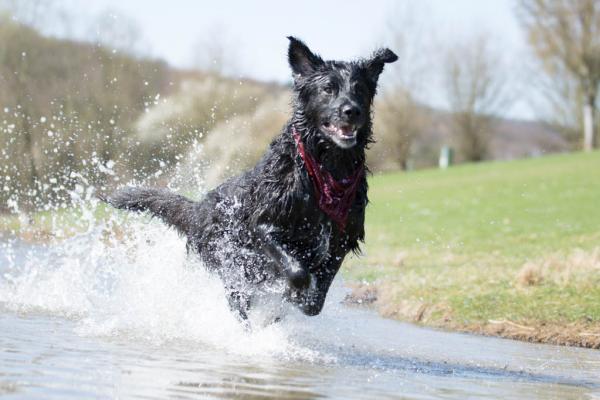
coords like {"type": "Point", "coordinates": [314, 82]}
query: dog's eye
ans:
{"type": "Point", "coordinates": [328, 89]}
{"type": "Point", "coordinates": [358, 88]}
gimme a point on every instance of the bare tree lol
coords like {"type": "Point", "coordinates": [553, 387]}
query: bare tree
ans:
{"type": "Point", "coordinates": [476, 92]}
{"type": "Point", "coordinates": [64, 103]}
{"type": "Point", "coordinates": [399, 121]}
{"type": "Point", "coordinates": [216, 52]}
{"type": "Point", "coordinates": [398, 115]}
{"type": "Point", "coordinates": [557, 101]}
{"type": "Point", "coordinates": [565, 35]}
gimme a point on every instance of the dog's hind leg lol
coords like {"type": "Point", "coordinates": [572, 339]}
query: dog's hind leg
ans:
{"type": "Point", "coordinates": [175, 210]}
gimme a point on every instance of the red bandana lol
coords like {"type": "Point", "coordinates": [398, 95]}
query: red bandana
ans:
{"type": "Point", "coordinates": [334, 197]}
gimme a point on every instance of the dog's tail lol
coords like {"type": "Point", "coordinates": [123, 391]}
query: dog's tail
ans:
{"type": "Point", "coordinates": [175, 210]}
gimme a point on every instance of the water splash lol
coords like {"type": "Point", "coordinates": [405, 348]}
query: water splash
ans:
{"type": "Point", "coordinates": [138, 284]}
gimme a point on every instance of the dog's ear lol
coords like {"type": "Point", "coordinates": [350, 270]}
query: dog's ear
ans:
{"type": "Point", "coordinates": [374, 65]}
{"type": "Point", "coordinates": [301, 59]}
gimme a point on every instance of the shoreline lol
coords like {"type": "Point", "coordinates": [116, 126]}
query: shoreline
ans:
{"type": "Point", "coordinates": [574, 334]}
{"type": "Point", "coordinates": [389, 301]}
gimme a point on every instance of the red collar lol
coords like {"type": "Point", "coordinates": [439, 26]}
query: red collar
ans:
{"type": "Point", "coordinates": [335, 198]}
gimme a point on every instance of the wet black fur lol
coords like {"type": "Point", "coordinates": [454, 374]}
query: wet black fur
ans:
{"type": "Point", "coordinates": [262, 231]}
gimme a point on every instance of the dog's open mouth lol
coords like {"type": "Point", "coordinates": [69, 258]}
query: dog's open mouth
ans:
{"type": "Point", "coordinates": [343, 132]}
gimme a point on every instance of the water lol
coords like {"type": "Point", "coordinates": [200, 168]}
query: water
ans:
{"type": "Point", "coordinates": [129, 316]}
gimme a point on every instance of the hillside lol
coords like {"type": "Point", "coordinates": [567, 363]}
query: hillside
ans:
{"type": "Point", "coordinates": [78, 113]}
{"type": "Point", "coordinates": [507, 248]}
{"type": "Point", "coordinates": [67, 110]}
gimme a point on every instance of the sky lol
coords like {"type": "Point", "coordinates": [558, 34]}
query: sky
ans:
{"type": "Point", "coordinates": [256, 31]}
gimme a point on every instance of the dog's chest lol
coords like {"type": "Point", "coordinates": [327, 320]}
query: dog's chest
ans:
{"type": "Point", "coordinates": [319, 233]}
{"type": "Point", "coordinates": [313, 245]}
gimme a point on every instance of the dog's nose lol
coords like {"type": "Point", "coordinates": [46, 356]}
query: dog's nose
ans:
{"type": "Point", "coordinates": [350, 111]}
{"type": "Point", "coordinates": [299, 279]}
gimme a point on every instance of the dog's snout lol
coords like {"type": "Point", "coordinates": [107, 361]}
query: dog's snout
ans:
{"type": "Point", "coordinates": [350, 111]}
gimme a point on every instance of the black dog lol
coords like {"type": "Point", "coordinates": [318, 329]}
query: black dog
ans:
{"type": "Point", "coordinates": [286, 225]}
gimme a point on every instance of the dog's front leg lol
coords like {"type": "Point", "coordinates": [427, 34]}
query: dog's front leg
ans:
{"type": "Point", "coordinates": [239, 303]}
{"type": "Point", "coordinates": [288, 266]}
{"type": "Point", "coordinates": [311, 300]}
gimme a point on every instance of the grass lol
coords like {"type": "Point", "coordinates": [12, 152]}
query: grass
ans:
{"type": "Point", "coordinates": [457, 240]}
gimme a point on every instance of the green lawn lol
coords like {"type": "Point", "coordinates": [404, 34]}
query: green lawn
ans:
{"type": "Point", "coordinates": [456, 241]}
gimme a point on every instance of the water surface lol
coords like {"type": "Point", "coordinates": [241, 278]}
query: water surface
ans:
{"type": "Point", "coordinates": [101, 317]}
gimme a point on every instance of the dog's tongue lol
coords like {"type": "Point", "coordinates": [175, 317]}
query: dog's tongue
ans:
{"type": "Point", "coordinates": [346, 130]}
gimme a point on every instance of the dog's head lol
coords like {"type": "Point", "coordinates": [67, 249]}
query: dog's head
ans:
{"type": "Point", "coordinates": [335, 96]}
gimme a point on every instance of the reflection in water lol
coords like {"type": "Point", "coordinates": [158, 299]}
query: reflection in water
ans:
{"type": "Point", "coordinates": [133, 318]}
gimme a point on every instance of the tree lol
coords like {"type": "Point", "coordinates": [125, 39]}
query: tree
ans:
{"type": "Point", "coordinates": [216, 52]}
{"type": "Point", "coordinates": [399, 121]}
{"type": "Point", "coordinates": [398, 116]}
{"type": "Point", "coordinates": [565, 35]}
{"type": "Point", "coordinates": [476, 92]}
{"type": "Point", "coordinates": [65, 107]}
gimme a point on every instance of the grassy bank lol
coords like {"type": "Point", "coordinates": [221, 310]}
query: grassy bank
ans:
{"type": "Point", "coordinates": [506, 248]}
